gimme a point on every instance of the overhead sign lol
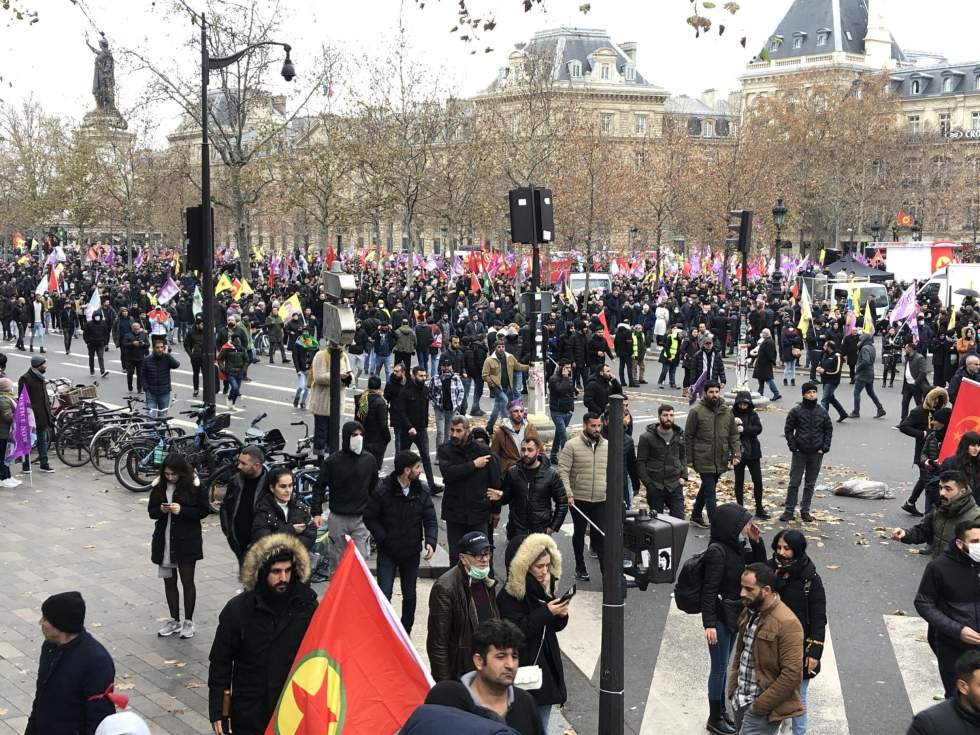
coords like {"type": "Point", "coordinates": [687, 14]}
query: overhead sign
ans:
{"type": "Point", "coordinates": [972, 134]}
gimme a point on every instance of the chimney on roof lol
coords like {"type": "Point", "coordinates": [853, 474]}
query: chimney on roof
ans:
{"type": "Point", "coordinates": [878, 41]}
{"type": "Point", "coordinates": [629, 48]}
{"type": "Point", "coordinates": [709, 98]}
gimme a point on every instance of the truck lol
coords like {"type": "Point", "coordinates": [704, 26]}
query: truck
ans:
{"type": "Point", "coordinates": [833, 290]}
{"type": "Point", "coordinates": [914, 261]}
{"type": "Point", "coordinates": [945, 282]}
{"type": "Point", "coordinates": [597, 281]}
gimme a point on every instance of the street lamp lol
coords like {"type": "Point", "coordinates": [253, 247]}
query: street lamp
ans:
{"type": "Point", "coordinates": [208, 65]}
{"type": "Point", "coordinates": [849, 245]}
{"type": "Point", "coordinates": [779, 219]}
{"type": "Point", "coordinates": [917, 230]}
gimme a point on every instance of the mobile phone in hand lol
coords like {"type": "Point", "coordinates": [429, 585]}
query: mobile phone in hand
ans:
{"type": "Point", "coordinates": [568, 594]}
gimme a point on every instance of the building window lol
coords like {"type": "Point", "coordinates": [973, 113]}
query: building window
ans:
{"type": "Point", "coordinates": [976, 82]}
{"type": "Point", "coordinates": [630, 72]}
{"type": "Point", "coordinates": [709, 128]}
{"type": "Point", "coordinates": [798, 42]}
{"type": "Point", "coordinates": [605, 123]}
{"type": "Point", "coordinates": [774, 44]}
{"type": "Point", "coordinates": [641, 125]}
{"type": "Point", "coordinates": [822, 37]}
{"type": "Point", "coordinates": [604, 72]}
{"type": "Point", "coordinates": [975, 121]}
{"type": "Point", "coordinates": [575, 69]}
{"type": "Point", "coordinates": [914, 125]}
{"type": "Point", "coordinates": [948, 84]}
{"type": "Point", "coordinates": [944, 124]}
{"type": "Point", "coordinates": [914, 87]}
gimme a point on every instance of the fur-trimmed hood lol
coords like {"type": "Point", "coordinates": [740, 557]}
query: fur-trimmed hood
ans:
{"type": "Point", "coordinates": [156, 481]}
{"type": "Point", "coordinates": [935, 399]}
{"type": "Point", "coordinates": [266, 547]}
{"type": "Point", "coordinates": [521, 553]}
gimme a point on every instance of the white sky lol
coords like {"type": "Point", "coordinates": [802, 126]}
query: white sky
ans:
{"type": "Point", "coordinates": [50, 59]}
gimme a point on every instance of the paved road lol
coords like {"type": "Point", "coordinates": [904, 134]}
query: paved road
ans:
{"type": "Point", "coordinates": [97, 540]}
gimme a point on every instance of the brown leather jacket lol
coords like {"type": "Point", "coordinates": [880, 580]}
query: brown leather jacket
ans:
{"type": "Point", "coordinates": [778, 656]}
{"type": "Point", "coordinates": [452, 621]}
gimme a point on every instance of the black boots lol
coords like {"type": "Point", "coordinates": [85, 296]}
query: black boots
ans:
{"type": "Point", "coordinates": [717, 722]}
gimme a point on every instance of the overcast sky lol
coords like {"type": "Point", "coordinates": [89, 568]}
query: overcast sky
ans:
{"type": "Point", "coordinates": [50, 59]}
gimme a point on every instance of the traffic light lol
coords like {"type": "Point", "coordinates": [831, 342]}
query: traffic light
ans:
{"type": "Point", "coordinates": [740, 230]}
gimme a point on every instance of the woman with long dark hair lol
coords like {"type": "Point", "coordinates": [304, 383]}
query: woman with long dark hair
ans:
{"type": "Point", "coordinates": [178, 504]}
{"type": "Point", "coordinates": [967, 461]}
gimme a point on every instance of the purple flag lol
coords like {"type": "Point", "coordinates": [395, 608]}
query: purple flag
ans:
{"type": "Point", "coordinates": [23, 432]}
{"type": "Point", "coordinates": [905, 306]}
{"type": "Point", "coordinates": [456, 269]}
{"type": "Point", "coordinates": [138, 260]}
{"type": "Point", "coordinates": [697, 388]}
{"type": "Point", "coordinates": [167, 291]}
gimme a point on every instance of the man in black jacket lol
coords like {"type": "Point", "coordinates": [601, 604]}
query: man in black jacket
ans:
{"type": "Point", "coordinates": [258, 634]}
{"type": "Point", "coordinates": [661, 462]}
{"type": "Point", "coordinates": [351, 475]}
{"type": "Point", "coordinates": [915, 381]}
{"type": "Point", "coordinates": [96, 336]}
{"type": "Point", "coordinates": [411, 414]}
{"type": "Point", "coordinates": [960, 714]}
{"type": "Point", "coordinates": [949, 600]}
{"type": "Point", "coordinates": [242, 496]}
{"type": "Point", "coordinates": [710, 359]}
{"type": "Point", "coordinates": [155, 372]}
{"type": "Point", "coordinates": [372, 411]}
{"type": "Point", "coordinates": [535, 493]}
{"type": "Point", "coordinates": [37, 392]}
{"type": "Point", "coordinates": [599, 388]}
{"type": "Point", "coordinates": [808, 431]}
{"type": "Point", "coordinates": [561, 403]}
{"type": "Point", "coordinates": [829, 369]}
{"type": "Point", "coordinates": [75, 674]}
{"type": "Point", "coordinates": [470, 473]}
{"type": "Point", "coordinates": [402, 519]}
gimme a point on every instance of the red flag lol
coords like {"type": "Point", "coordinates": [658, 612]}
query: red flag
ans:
{"type": "Point", "coordinates": [876, 258]}
{"type": "Point", "coordinates": [53, 281]}
{"type": "Point", "coordinates": [331, 257]}
{"type": "Point", "coordinates": [355, 671]}
{"type": "Point", "coordinates": [271, 280]}
{"type": "Point", "coordinates": [474, 283]}
{"type": "Point", "coordinates": [605, 329]}
{"type": "Point", "coordinates": [942, 255]}
{"type": "Point", "coordinates": [966, 417]}
{"type": "Point", "coordinates": [794, 290]}
{"type": "Point", "coordinates": [904, 218]}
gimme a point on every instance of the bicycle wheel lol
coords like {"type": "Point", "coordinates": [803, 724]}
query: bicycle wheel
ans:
{"type": "Point", "coordinates": [104, 448]}
{"type": "Point", "coordinates": [135, 468]}
{"type": "Point", "coordinates": [71, 446]}
{"type": "Point", "coordinates": [217, 486]}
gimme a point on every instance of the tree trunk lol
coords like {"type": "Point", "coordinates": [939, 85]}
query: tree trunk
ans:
{"type": "Point", "coordinates": [410, 266]}
{"type": "Point", "coordinates": [239, 213]}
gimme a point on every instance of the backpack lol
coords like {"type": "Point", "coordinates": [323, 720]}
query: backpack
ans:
{"type": "Point", "coordinates": [690, 581]}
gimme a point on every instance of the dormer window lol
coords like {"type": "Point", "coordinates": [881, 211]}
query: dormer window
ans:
{"type": "Point", "coordinates": [798, 42]}
{"type": "Point", "coordinates": [604, 72]}
{"type": "Point", "coordinates": [976, 82]}
{"type": "Point", "coordinates": [915, 87]}
{"type": "Point", "coordinates": [575, 69]}
{"type": "Point", "coordinates": [949, 84]}
{"type": "Point", "coordinates": [822, 37]}
{"type": "Point", "coordinates": [629, 71]}
{"type": "Point", "coordinates": [775, 42]}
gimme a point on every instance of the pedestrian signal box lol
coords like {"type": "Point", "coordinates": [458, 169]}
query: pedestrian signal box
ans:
{"type": "Point", "coordinates": [656, 543]}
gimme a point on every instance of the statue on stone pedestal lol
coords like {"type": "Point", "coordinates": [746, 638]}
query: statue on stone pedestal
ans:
{"type": "Point", "coordinates": [104, 79]}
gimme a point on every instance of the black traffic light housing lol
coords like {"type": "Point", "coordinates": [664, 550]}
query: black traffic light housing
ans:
{"type": "Point", "coordinates": [740, 230]}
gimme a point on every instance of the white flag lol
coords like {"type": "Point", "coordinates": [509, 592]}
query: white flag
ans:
{"type": "Point", "coordinates": [94, 304]}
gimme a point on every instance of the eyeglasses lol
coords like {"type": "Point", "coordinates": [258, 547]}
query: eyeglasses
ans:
{"type": "Point", "coordinates": [485, 555]}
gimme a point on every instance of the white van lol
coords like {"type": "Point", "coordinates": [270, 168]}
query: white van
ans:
{"type": "Point", "coordinates": [597, 282]}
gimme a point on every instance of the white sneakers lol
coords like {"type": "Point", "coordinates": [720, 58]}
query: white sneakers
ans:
{"type": "Point", "coordinates": [10, 482]}
{"type": "Point", "coordinates": [187, 629]}
{"type": "Point", "coordinates": [172, 626]}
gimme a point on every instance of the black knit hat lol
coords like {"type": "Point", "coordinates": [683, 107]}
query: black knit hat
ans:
{"type": "Point", "coordinates": [65, 611]}
{"type": "Point", "coordinates": [808, 386]}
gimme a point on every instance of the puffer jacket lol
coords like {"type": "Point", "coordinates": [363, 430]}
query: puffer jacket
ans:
{"type": "Point", "coordinates": [808, 428]}
{"type": "Point", "coordinates": [537, 499]}
{"type": "Point", "coordinates": [916, 424]}
{"type": "Point", "coordinates": [465, 499]}
{"type": "Point", "coordinates": [949, 594]}
{"type": "Point", "coordinates": [270, 519]}
{"type": "Point", "coordinates": [751, 426]}
{"type": "Point", "coordinates": [938, 526]}
{"type": "Point", "coordinates": [582, 468]}
{"type": "Point", "coordinates": [864, 369]}
{"type": "Point", "coordinates": [155, 372]}
{"type": "Point", "coordinates": [724, 561]}
{"type": "Point", "coordinates": [400, 523]}
{"type": "Point", "coordinates": [949, 717]}
{"type": "Point", "coordinates": [661, 465]}
{"type": "Point", "coordinates": [452, 621]}
{"type": "Point", "coordinates": [712, 437]}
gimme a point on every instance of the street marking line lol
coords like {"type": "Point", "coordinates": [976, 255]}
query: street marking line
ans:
{"type": "Point", "coordinates": [916, 661]}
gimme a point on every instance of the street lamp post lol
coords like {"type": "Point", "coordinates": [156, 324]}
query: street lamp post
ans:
{"type": "Point", "coordinates": [208, 65]}
{"type": "Point", "coordinates": [779, 219]}
{"type": "Point", "coordinates": [849, 245]}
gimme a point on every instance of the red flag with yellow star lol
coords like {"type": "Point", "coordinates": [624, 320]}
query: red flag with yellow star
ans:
{"type": "Point", "coordinates": [966, 417]}
{"type": "Point", "coordinates": [355, 672]}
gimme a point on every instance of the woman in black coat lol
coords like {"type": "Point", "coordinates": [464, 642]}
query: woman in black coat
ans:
{"type": "Point", "coordinates": [801, 590]}
{"type": "Point", "coordinates": [178, 504]}
{"type": "Point", "coordinates": [749, 429]}
{"type": "Point", "coordinates": [280, 510]}
{"type": "Point", "coordinates": [530, 601]}
{"type": "Point", "coordinates": [765, 364]}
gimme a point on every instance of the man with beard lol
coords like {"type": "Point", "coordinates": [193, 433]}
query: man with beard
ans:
{"type": "Point", "coordinates": [411, 413]}
{"type": "Point", "coordinates": [34, 381]}
{"type": "Point", "coordinates": [808, 431]}
{"type": "Point", "coordinates": [661, 462]}
{"type": "Point", "coordinates": [510, 433]}
{"type": "Point", "coordinates": [949, 600]}
{"type": "Point", "coordinates": [582, 468]}
{"type": "Point", "coordinates": [713, 447]}
{"type": "Point", "coordinates": [258, 634]}
{"type": "Point", "coordinates": [937, 528]}
{"type": "Point", "coordinates": [765, 673]}
{"type": "Point", "coordinates": [599, 388]}
{"type": "Point", "coordinates": [535, 493]}
{"type": "Point", "coordinates": [959, 714]}
{"type": "Point", "coordinates": [472, 482]}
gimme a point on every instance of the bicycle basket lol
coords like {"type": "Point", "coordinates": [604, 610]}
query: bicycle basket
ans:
{"type": "Point", "coordinates": [75, 396]}
{"type": "Point", "coordinates": [218, 423]}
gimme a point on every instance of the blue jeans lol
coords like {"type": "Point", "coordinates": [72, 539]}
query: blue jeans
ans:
{"type": "Point", "coordinates": [720, 653]}
{"type": "Point", "coordinates": [706, 495]}
{"type": "Point", "coordinates": [668, 371]}
{"type": "Point", "coordinates": [799, 723]}
{"type": "Point", "coordinates": [869, 386]}
{"type": "Point", "coordinates": [789, 369]}
{"type": "Point", "coordinates": [37, 331]}
{"type": "Point", "coordinates": [772, 386]}
{"type": "Point", "coordinates": [408, 573]}
{"type": "Point", "coordinates": [434, 362]}
{"type": "Point", "coordinates": [42, 450]}
{"type": "Point", "coordinates": [562, 419]}
{"type": "Point", "coordinates": [500, 399]}
{"type": "Point", "coordinates": [157, 404]}
{"type": "Point", "coordinates": [467, 384]}
{"type": "Point", "coordinates": [234, 387]}
{"type": "Point", "coordinates": [544, 712]}
{"type": "Point", "coordinates": [829, 399]}
{"type": "Point", "coordinates": [672, 499]}
{"type": "Point", "coordinates": [302, 390]}
{"type": "Point", "coordinates": [379, 362]}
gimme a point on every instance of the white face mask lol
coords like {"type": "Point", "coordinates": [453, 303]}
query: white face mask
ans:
{"type": "Point", "coordinates": [974, 551]}
{"type": "Point", "coordinates": [356, 444]}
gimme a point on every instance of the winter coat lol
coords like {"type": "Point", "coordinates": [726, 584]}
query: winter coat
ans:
{"type": "Point", "coordinates": [350, 478]}
{"type": "Point", "coordinates": [96, 332]}
{"type": "Point", "coordinates": [724, 561]}
{"type": "Point", "coordinates": [801, 590]}
{"type": "Point", "coordinates": [561, 393]}
{"type": "Point", "coordinates": [274, 328]}
{"type": "Point", "coordinates": [864, 369]}
{"type": "Point", "coordinates": [521, 718]}
{"type": "Point", "coordinates": [8, 402]}
{"type": "Point", "coordinates": [155, 373]}
{"type": "Point", "coordinates": [661, 465]}
{"type": "Point", "coordinates": [938, 526]}
{"type": "Point", "coordinates": [194, 344]}
{"type": "Point", "coordinates": [490, 372]}
{"type": "Point", "coordinates": [231, 507]}
{"type": "Point", "coordinates": [712, 437]}
{"type": "Point", "coordinates": [524, 601]}
{"type": "Point", "coordinates": [405, 340]}
{"type": "Point", "coordinates": [777, 657]}
{"type": "Point", "coordinates": [808, 428]}
{"type": "Point", "coordinates": [374, 417]}
{"type": "Point", "coordinates": [38, 396]}
{"type": "Point", "coordinates": [401, 523]}
{"type": "Point", "coordinates": [185, 527]}
{"type": "Point", "coordinates": [832, 365]}
{"type": "Point", "coordinates": [320, 388]}
{"type": "Point", "coordinates": [254, 647]}
{"type": "Point", "coordinates": [623, 342]}
{"type": "Point", "coordinates": [465, 498]}
{"type": "Point", "coordinates": [713, 361]}
{"type": "Point", "coordinates": [765, 361]}
{"type": "Point", "coordinates": [503, 444]}
{"type": "Point", "coordinates": [537, 499]}
{"type": "Point", "coordinates": [411, 408]}
{"type": "Point", "coordinates": [270, 519]}
{"type": "Point", "coordinates": [597, 392]}
{"type": "Point", "coordinates": [135, 347]}
{"type": "Point", "coordinates": [949, 594]}
{"type": "Point", "coordinates": [957, 380]}
{"type": "Point", "coordinates": [452, 621]}
{"type": "Point", "coordinates": [231, 359]}
{"type": "Point", "coordinates": [919, 369]}
{"type": "Point", "coordinates": [582, 467]}
{"type": "Point", "coordinates": [789, 341]}
{"type": "Point", "coordinates": [597, 350]}
{"type": "Point", "coordinates": [574, 348]}
{"type": "Point", "coordinates": [439, 718]}
{"type": "Point", "coordinates": [423, 337]}
{"type": "Point", "coordinates": [949, 717]}
{"type": "Point", "coordinates": [70, 681]}
{"type": "Point", "coordinates": [916, 424]}
{"type": "Point", "coordinates": [751, 427]}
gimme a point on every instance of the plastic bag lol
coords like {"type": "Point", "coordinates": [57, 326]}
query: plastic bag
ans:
{"type": "Point", "coordinates": [864, 489]}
